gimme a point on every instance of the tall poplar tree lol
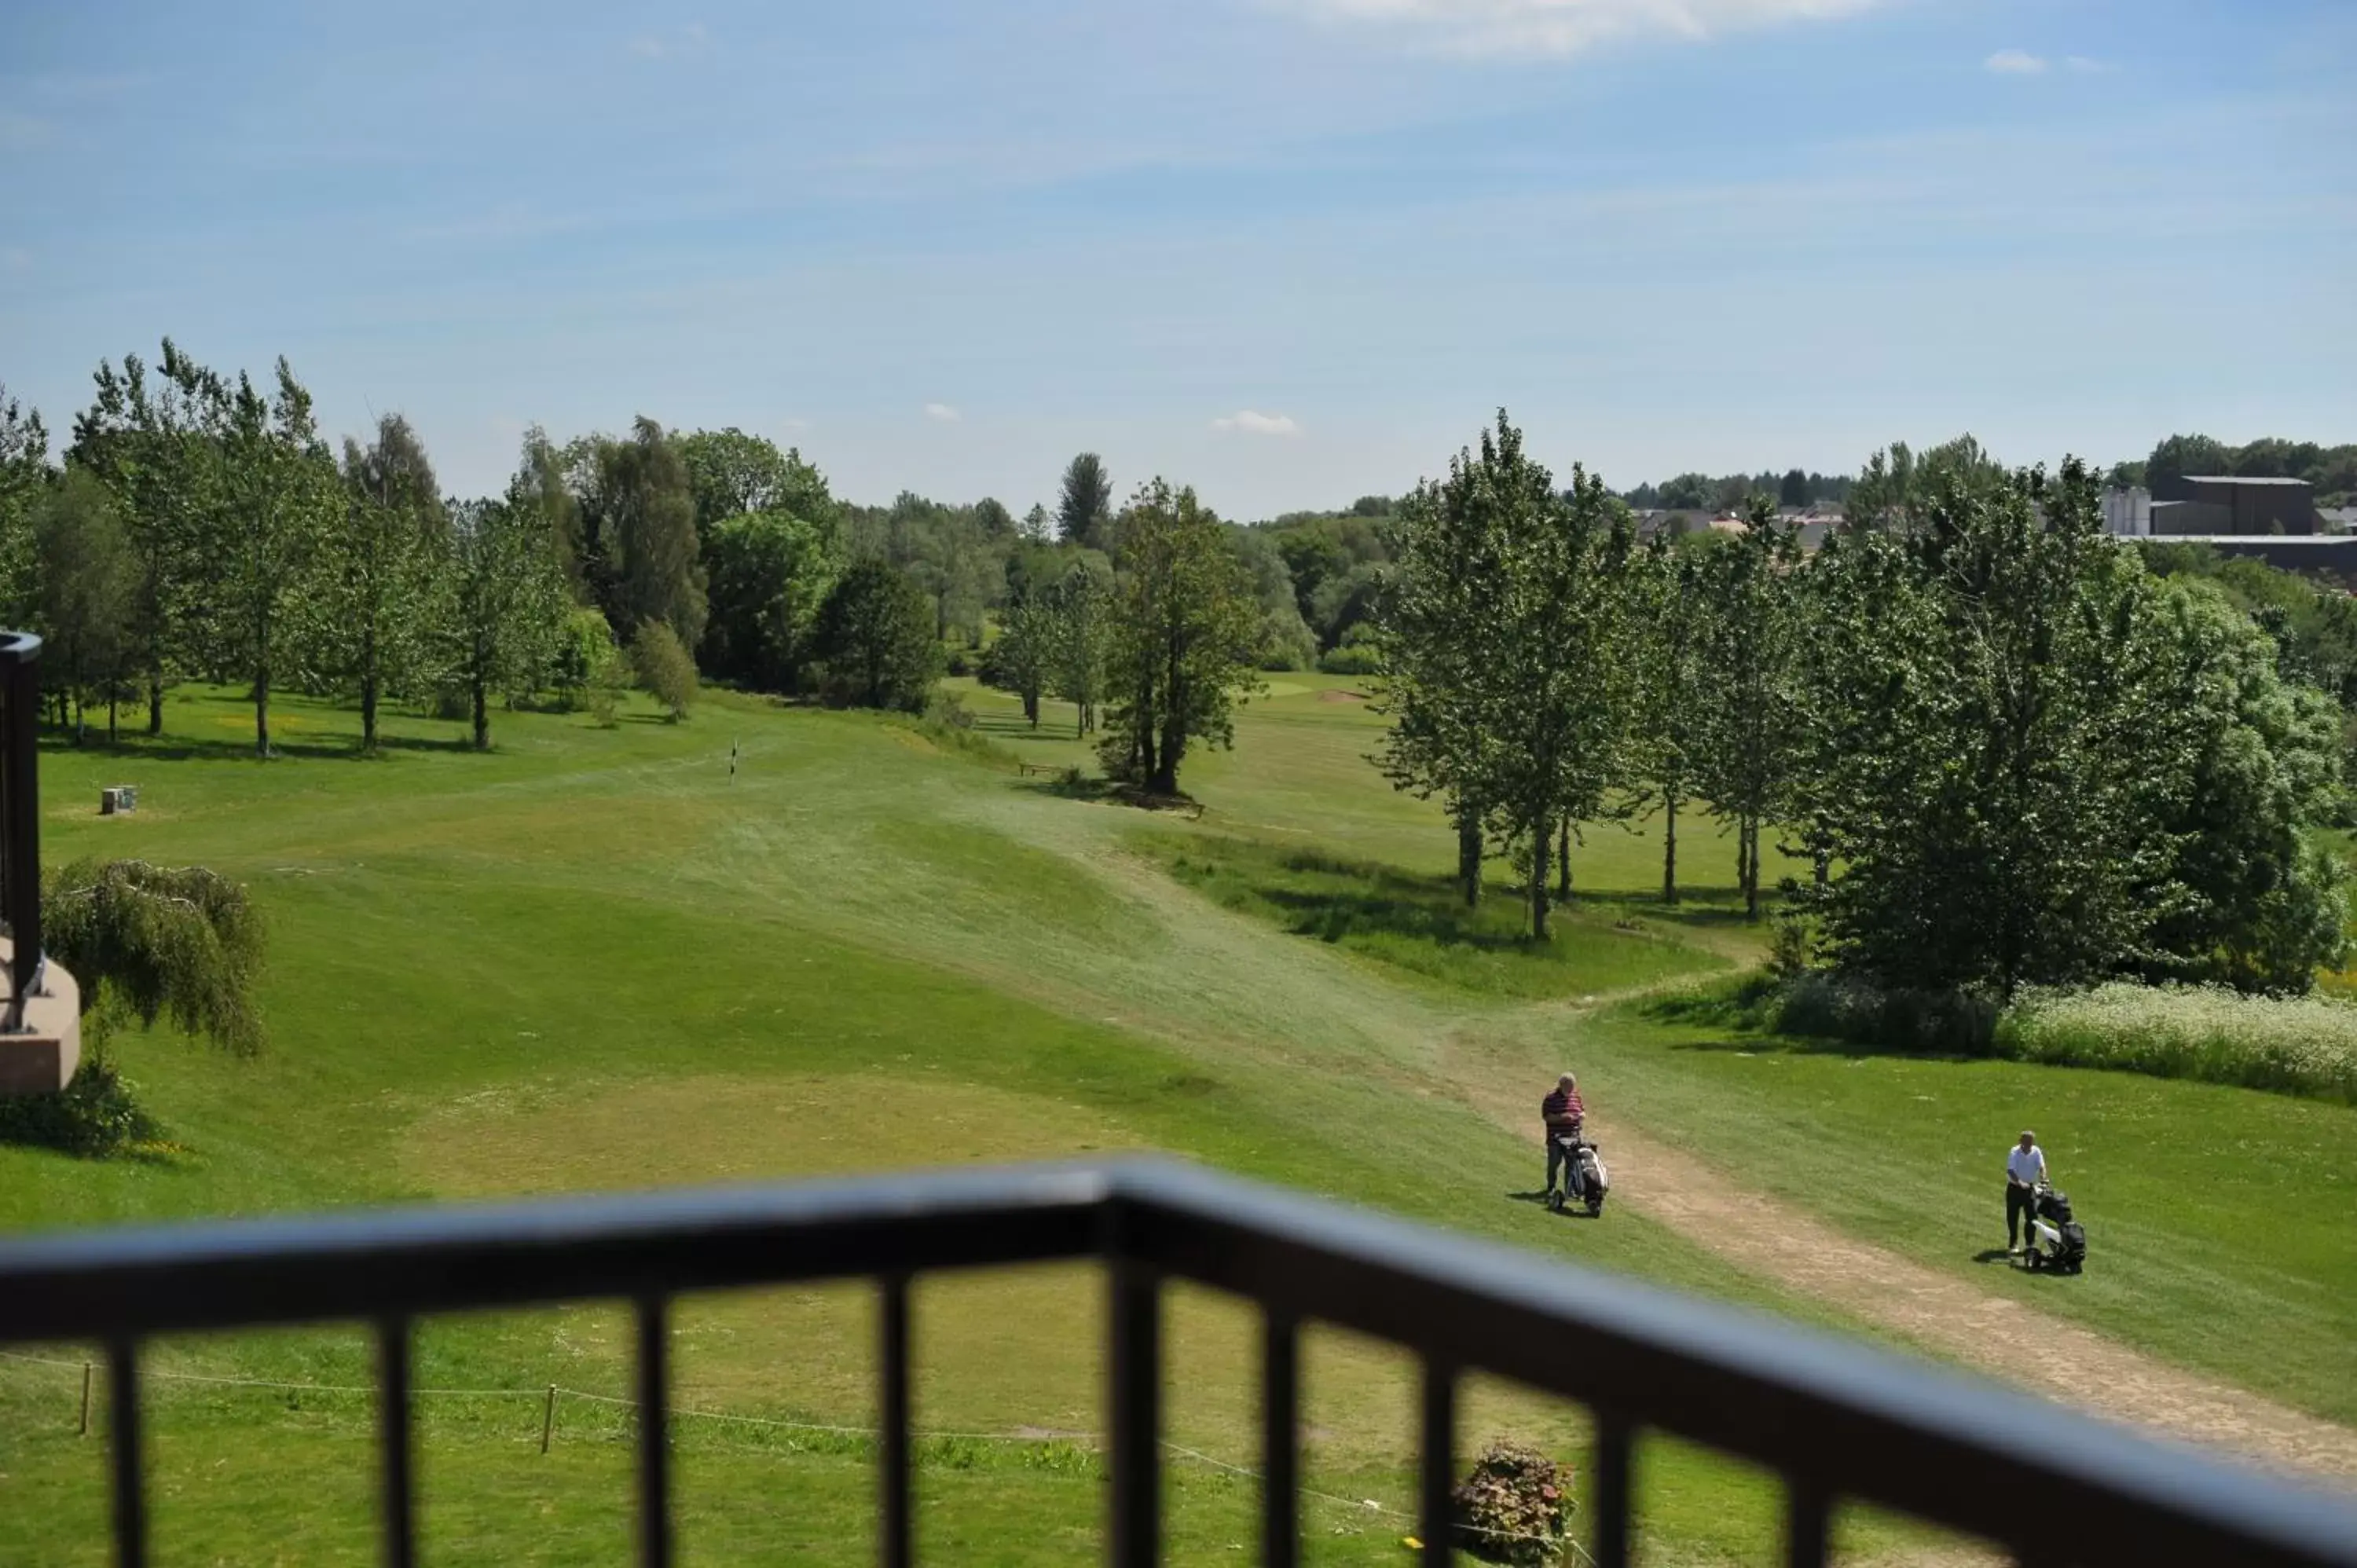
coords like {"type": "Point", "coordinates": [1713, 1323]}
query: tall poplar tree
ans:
{"type": "Point", "coordinates": [377, 566]}
{"type": "Point", "coordinates": [1185, 632]}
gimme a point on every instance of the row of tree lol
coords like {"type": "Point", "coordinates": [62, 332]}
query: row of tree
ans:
{"type": "Point", "coordinates": [2011, 754]}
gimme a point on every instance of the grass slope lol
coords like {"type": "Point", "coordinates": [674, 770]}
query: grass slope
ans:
{"type": "Point", "coordinates": [590, 959]}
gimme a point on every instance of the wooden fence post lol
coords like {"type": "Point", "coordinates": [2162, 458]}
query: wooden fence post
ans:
{"type": "Point", "coordinates": [548, 1419]}
{"type": "Point", "coordinates": [83, 1431]}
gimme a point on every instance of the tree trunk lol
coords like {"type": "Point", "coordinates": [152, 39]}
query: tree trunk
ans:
{"type": "Point", "coordinates": [1750, 852]}
{"type": "Point", "coordinates": [368, 692]}
{"type": "Point", "coordinates": [482, 716]}
{"type": "Point", "coordinates": [1031, 707]}
{"type": "Point", "coordinates": [110, 714]}
{"type": "Point", "coordinates": [1468, 857]}
{"type": "Point", "coordinates": [1539, 841]}
{"type": "Point", "coordinates": [81, 723]}
{"type": "Point", "coordinates": [1670, 849]}
{"type": "Point", "coordinates": [156, 704]}
{"type": "Point", "coordinates": [1563, 864]}
{"type": "Point", "coordinates": [262, 713]}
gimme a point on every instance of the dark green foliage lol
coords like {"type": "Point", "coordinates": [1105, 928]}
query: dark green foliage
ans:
{"type": "Point", "coordinates": [506, 598]}
{"type": "Point", "coordinates": [1084, 511]}
{"type": "Point", "coordinates": [876, 641]}
{"type": "Point", "coordinates": [25, 476]}
{"type": "Point", "coordinates": [1515, 1507]}
{"type": "Point", "coordinates": [2332, 469]}
{"type": "Point", "coordinates": [2035, 766]}
{"type": "Point", "coordinates": [1364, 658]}
{"type": "Point", "coordinates": [158, 942]}
{"type": "Point", "coordinates": [664, 669]}
{"type": "Point", "coordinates": [1795, 490]}
{"type": "Point", "coordinates": [95, 1115]}
{"type": "Point", "coordinates": [371, 610]}
{"type": "Point", "coordinates": [88, 581]}
{"type": "Point", "coordinates": [730, 473]}
{"type": "Point", "coordinates": [1186, 639]}
{"type": "Point", "coordinates": [770, 572]}
{"type": "Point", "coordinates": [637, 512]}
{"type": "Point", "coordinates": [1746, 729]}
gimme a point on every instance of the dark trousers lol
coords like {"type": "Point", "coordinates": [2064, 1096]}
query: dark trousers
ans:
{"type": "Point", "coordinates": [2019, 1212]}
{"type": "Point", "coordinates": [1560, 1158]}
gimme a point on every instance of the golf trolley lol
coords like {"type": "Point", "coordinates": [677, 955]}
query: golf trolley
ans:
{"type": "Point", "coordinates": [2056, 1241]}
{"type": "Point", "coordinates": [1584, 1180]}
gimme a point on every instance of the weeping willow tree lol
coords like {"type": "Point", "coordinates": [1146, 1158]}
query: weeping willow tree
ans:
{"type": "Point", "coordinates": [146, 943]}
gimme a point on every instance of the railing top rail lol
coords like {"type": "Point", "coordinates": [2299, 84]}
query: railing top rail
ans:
{"type": "Point", "coordinates": [20, 647]}
{"type": "Point", "coordinates": [1859, 1420]}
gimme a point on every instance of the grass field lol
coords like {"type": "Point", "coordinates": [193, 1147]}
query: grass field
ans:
{"type": "Point", "coordinates": [590, 961]}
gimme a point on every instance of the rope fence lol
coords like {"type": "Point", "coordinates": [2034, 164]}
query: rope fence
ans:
{"type": "Point", "coordinates": [552, 1393]}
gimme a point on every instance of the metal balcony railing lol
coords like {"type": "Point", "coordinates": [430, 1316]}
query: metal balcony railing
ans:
{"type": "Point", "coordinates": [20, 817]}
{"type": "Point", "coordinates": [1837, 1420]}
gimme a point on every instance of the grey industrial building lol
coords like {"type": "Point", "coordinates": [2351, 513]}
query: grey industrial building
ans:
{"type": "Point", "coordinates": [2223, 504]}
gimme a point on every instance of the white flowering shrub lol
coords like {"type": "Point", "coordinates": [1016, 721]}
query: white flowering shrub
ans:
{"type": "Point", "coordinates": [2302, 1045]}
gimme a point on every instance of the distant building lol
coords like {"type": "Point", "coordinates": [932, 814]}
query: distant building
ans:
{"type": "Point", "coordinates": [2336, 519]}
{"type": "Point", "coordinates": [2332, 555]}
{"type": "Point", "coordinates": [2129, 513]}
{"type": "Point", "coordinates": [2225, 504]}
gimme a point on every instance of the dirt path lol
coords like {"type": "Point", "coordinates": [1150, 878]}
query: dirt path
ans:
{"type": "Point", "coordinates": [2021, 1344]}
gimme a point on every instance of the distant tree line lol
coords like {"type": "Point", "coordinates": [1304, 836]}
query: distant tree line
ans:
{"type": "Point", "coordinates": [1731, 493]}
{"type": "Point", "coordinates": [2332, 469]}
{"type": "Point", "coordinates": [2009, 753]}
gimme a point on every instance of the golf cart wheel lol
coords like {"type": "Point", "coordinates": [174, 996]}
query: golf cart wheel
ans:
{"type": "Point", "coordinates": [1595, 1207]}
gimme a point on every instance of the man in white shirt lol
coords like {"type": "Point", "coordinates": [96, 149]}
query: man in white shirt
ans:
{"type": "Point", "coordinates": [2025, 1168]}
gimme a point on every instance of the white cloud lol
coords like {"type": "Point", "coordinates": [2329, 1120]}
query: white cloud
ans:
{"type": "Point", "coordinates": [2086, 67]}
{"type": "Point", "coordinates": [2016, 62]}
{"type": "Point", "coordinates": [1564, 26]}
{"type": "Point", "coordinates": [1246, 421]}
{"type": "Point", "coordinates": [943, 412]}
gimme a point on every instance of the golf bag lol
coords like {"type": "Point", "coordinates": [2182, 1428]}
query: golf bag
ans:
{"type": "Point", "coordinates": [1585, 1179]}
{"type": "Point", "coordinates": [2057, 1240]}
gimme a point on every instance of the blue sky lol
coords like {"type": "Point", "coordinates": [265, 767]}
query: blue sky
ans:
{"type": "Point", "coordinates": [1288, 250]}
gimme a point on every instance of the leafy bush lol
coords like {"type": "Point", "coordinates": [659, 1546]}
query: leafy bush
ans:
{"type": "Point", "coordinates": [94, 1115]}
{"type": "Point", "coordinates": [1515, 1506]}
{"type": "Point", "coordinates": [1842, 1007]}
{"type": "Point", "coordinates": [660, 663]}
{"type": "Point", "coordinates": [948, 710]}
{"type": "Point", "coordinates": [1351, 659]}
{"type": "Point", "coordinates": [2298, 1044]}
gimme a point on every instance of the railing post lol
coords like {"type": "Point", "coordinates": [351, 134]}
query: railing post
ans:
{"type": "Point", "coordinates": [1808, 1516]}
{"type": "Point", "coordinates": [655, 1432]}
{"type": "Point", "coordinates": [1280, 1439]}
{"type": "Point", "coordinates": [1135, 1540]}
{"type": "Point", "coordinates": [1614, 1481]}
{"type": "Point", "coordinates": [394, 1414]}
{"type": "Point", "coordinates": [1436, 1475]}
{"type": "Point", "coordinates": [123, 1446]}
{"type": "Point", "coordinates": [892, 1368]}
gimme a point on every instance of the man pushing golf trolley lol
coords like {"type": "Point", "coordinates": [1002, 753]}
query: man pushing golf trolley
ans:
{"type": "Point", "coordinates": [1568, 1150]}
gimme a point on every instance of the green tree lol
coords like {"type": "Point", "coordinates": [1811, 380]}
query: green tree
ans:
{"type": "Point", "coordinates": [1081, 603]}
{"type": "Point", "coordinates": [88, 579]}
{"type": "Point", "coordinates": [876, 639]}
{"type": "Point", "coordinates": [2178, 456]}
{"type": "Point", "coordinates": [25, 479]}
{"type": "Point", "coordinates": [1672, 628]}
{"type": "Point", "coordinates": [664, 669]}
{"type": "Point", "coordinates": [770, 572]}
{"type": "Point", "coordinates": [730, 473]}
{"type": "Point", "coordinates": [1433, 630]}
{"type": "Point", "coordinates": [1748, 706]}
{"type": "Point", "coordinates": [1085, 513]}
{"type": "Point", "coordinates": [1185, 638]}
{"type": "Point", "coordinates": [1980, 766]}
{"type": "Point", "coordinates": [1793, 492]}
{"type": "Point", "coordinates": [639, 534]}
{"type": "Point", "coordinates": [374, 597]}
{"type": "Point", "coordinates": [505, 593]}
{"type": "Point", "coordinates": [1023, 659]}
{"type": "Point", "coordinates": [277, 498]}
{"type": "Point", "coordinates": [156, 450]}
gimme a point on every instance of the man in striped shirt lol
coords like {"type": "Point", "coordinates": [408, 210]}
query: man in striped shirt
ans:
{"type": "Point", "coordinates": [1563, 1114]}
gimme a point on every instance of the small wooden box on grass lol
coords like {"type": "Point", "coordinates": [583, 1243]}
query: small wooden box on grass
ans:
{"type": "Point", "coordinates": [118, 799]}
